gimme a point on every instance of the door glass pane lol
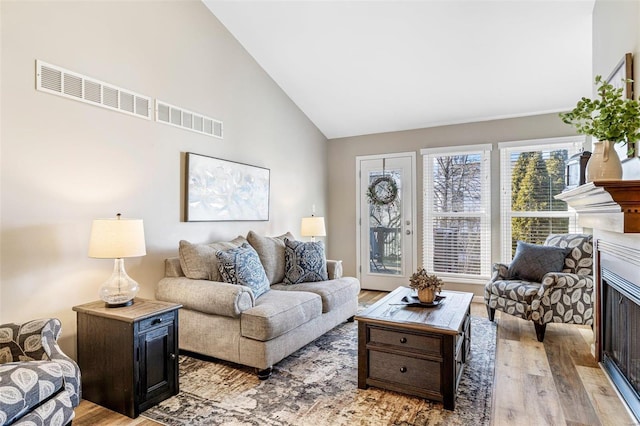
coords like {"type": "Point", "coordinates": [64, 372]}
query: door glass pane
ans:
{"type": "Point", "coordinates": [384, 196]}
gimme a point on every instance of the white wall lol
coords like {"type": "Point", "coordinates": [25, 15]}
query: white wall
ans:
{"type": "Point", "coordinates": [65, 163]}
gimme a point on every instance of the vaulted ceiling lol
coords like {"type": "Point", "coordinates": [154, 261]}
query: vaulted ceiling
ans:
{"type": "Point", "coordinates": [362, 67]}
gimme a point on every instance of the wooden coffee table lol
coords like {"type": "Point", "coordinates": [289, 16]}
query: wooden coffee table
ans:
{"type": "Point", "coordinates": [415, 350]}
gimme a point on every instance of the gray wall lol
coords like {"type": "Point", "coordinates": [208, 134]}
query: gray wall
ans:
{"type": "Point", "coordinates": [342, 172]}
{"type": "Point", "coordinates": [65, 163]}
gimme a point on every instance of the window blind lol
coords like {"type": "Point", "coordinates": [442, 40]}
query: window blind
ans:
{"type": "Point", "coordinates": [531, 174]}
{"type": "Point", "coordinates": [457, 211]}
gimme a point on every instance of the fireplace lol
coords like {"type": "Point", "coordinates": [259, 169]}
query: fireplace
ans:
{"type": "Point", "coordinates": [612, 209]}
{"type": "Point", "coordinates": [619, 347]}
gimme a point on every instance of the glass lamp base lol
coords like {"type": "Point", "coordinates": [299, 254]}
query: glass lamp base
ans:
{"type": "Point", "coordinates": [120, 289]}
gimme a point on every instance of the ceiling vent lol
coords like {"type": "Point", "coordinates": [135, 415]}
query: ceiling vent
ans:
{"type": "Point", "coordinates": [59, 81]}
{"type": "Point", "coordinates": [180, 117]}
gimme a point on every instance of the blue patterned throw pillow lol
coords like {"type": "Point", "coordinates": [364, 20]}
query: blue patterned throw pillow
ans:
{"type": "Point", "coordinates": [304, 262]}
{"type": "Point", "coordinates": [242, 266]}
{"type": "Point", "coordinates": [532, 262]}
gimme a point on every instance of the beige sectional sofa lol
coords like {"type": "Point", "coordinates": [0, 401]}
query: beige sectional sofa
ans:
{"type": "Point", "coordinates": [226, 321]}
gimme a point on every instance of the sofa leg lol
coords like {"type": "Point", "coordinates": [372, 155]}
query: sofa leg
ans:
{"type": "Point", "coordinates": [351, 318]}
{"type": "Point", "coordinates": [491, 312]}
{"type": "Point", "coordinates": [540, 329]}
{"type": "Point", "coordinates": [265, 374]}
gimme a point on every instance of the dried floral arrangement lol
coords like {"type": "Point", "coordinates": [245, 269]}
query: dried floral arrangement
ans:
{"type": "Point", "coordinates": [422, 279]}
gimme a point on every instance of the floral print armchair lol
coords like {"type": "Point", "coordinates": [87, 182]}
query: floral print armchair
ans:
{"type": "Point", "coordinates": [564, 297]}
{"type": "Point", "coordinates": [39, 384]}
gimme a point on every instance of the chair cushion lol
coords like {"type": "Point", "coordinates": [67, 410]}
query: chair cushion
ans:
{"type": "Point", "coordinates": [241, 265]}
{"type": "Point", "coordinates": [27, 384]}
{"type": "Point", "coordinates": [304, 262]}
{"type": "Point", "coordinates": [199, 262]}
{"type": "Point", "coordinates": [271, 252]}
{"type": "Point", "coordinates": [333, 293]}
{"type": "Point", "coordinates": [278, 312]}
{"type": "Point", "coordinates": [531, 261]}
{"type": "Point", "coordinates": [521, 291]}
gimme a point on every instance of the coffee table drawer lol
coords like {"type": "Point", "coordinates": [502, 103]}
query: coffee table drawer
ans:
{"type": "Point", "coordinates": [423, 343]}
{"type": "Point", "coordinates": [405, 370]}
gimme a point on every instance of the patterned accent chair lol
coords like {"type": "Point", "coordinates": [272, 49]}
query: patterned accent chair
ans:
{"type": "Point", "coordinates": [563, 297]}
{"type": "Point", "coordinates": [39, 384]}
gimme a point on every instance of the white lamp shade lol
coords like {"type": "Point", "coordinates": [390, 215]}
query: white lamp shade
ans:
{"type": "Point", "coordinates": [313, 227]}
{"type": "Point", "coordinates": [117, 238]}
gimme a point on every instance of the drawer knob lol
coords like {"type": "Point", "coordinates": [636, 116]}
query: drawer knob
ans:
{"type": "Point", "coordinates": [403, 369]}
{"type": "Point", "coordinates": [156, 321]}
{"type": "Point", "coordinates": [403, 340]}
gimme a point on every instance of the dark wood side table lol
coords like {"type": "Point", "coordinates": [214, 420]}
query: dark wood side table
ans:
{"type": "Point", "coordinates": [415, 350]}
{"type": "Point", "coordinates": [128, 356]}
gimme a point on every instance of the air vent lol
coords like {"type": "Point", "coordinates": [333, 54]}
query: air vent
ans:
{"type": "Point", "coordinates": [189, 120]}
{"type": "Point", "coordinates": [59, 81]}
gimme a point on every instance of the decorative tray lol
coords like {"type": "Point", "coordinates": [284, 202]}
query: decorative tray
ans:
{"type": "Point", "coordinates": [413, 301]}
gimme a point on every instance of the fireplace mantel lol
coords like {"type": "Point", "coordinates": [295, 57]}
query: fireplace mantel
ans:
{"type": "Point", "coordinates": [611, 205]}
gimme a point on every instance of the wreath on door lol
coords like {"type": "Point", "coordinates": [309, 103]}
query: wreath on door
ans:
{"type": "Point", "coordinates": [382, 191]}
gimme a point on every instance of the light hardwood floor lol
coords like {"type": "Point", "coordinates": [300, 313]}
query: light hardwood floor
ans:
{"type": "Point", "coordinates": [555, 383]}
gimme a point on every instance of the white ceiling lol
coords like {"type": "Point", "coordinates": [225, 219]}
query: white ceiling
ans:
{"type": "Point", "coordinates": [362, 67]}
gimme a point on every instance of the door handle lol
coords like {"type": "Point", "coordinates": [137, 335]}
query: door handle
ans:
{"type": "Point", "coordinates": [408, 232]}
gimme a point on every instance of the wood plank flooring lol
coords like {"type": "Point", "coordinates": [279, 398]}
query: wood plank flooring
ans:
{"type": "Point", "coordinates": [555, 383]}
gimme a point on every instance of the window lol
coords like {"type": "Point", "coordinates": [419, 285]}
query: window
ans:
{"type": "Point", "coordinates": [457, 213]}
{"type": "Point", "coordinates": [532, 172]}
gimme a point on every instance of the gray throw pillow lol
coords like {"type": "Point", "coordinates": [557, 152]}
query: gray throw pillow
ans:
{"type": "Point", "coordinates": [242, 266]}
{"type": "Point", "coordinates": [304, 262]}
{"type": "Point", "coordinates": [531, 261]}
{"type": "Point", "coordinates": [271, 252]}
{"type": "Point", "coordinates": [199, 262]}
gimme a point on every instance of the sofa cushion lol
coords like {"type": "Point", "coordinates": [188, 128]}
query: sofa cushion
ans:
{"type": "Point", "coordinates": [199, 262]}
{"type": "Point", "coordinates": [304, 262]}
{"type": "Point", "coordinates": [26, 385]}
{"type": "Point", "coordinates": [531, 261]}
{"type": "Point", "coordinates": [333, 293]}
{"type": "Point", "coordinates": [271, 252]}
{"type": "Point", "coordinates": [278, 312]}
{"type": "Point", "coordinates": [241, 265]}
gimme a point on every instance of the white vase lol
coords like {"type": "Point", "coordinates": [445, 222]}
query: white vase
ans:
{"type": "Point", "coordinates": [604, 163]}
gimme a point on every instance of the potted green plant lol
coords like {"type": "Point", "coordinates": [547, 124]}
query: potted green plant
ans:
{"type": "Point", "coordinates": [427, 285]}
{"type": "Point", "coordinates": [611, 119]}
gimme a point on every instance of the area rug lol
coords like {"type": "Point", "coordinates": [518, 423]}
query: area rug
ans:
{"type": "Point", "coordinates": [317, 385]}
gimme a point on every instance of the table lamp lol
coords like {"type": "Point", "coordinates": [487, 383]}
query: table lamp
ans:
{"type": "Point", "coordinates": [116, 239]}
{"type": "Point", "coordinates": [313, 227]}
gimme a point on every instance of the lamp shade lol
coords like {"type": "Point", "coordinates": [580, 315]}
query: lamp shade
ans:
{"type": "Point", "coordinates": [117, 238]}
{"type": "Point", "coordinates": [313, 227]}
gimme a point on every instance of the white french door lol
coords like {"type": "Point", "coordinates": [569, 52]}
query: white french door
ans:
{"type": "Point", "coordinates": [386, 242]}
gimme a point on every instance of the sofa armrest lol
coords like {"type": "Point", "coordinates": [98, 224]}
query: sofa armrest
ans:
{"type": "Point", "coordinates": [209, 297]}
{"type": "Point", "coordinates": [334, 269]}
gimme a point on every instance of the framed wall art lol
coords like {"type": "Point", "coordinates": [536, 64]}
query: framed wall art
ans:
{"type": "Point", "coordinates": [621, 77]}
{"type": "Point", "coordinates": [221, 190]}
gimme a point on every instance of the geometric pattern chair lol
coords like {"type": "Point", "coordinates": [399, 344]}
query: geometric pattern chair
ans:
{"type": "Point", "coordinates": [39, 384]}
{"type": "Point", "coordinates": [564, 295]}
